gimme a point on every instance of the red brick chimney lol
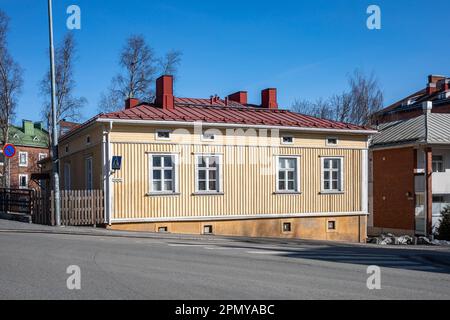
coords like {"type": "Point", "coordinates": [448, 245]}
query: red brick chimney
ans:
{"type": "Point", "coordinates": [269, 98]}
{"type": "Point", "coordinates": [239, 97]}
{"type": "Point", "coordinates": [131, 103]}
{"type": "Point", "coordinates": [164, 92]}
{"type": "Point", "coordinates": [432, 83]}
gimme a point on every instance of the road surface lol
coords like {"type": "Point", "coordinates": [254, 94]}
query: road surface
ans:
{"type": "Point", "coordinates": [33, 265]}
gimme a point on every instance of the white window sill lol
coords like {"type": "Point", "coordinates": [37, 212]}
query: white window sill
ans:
{"type": "Point", "coordinates": [208, 193]}
{"type": "Point", "coordinates": [332, 192]}
{"type": "Point", "coordinates": [23, 165]}
{"type": "Point", "coordinates": [287, 192]}
{"type": "Point", "coordinates": [153, 194]}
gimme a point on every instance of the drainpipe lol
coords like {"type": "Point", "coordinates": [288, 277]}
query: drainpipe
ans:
{"type": "Point", "coordinates": [427, 107]}
{"type": "Point", "coordinates": [106, 151]}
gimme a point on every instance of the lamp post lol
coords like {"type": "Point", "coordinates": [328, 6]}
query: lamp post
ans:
{"type": "Point", "coordinates": [55, 161]}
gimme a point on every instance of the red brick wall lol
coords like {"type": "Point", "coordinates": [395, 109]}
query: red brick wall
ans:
{"type": "Point", "coordinates": [33, 157]}
{"type": "Point", "coordinates": [393, 178]}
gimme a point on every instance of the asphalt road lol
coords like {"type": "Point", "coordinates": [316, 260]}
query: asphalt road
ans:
{"type": "Point", "coordinates": [33, 266]}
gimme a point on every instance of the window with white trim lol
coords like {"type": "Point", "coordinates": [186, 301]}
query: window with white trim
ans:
{"type": "Point", "coordinates": [163, 173]}
{"type": "Point", "coordinates": [208, 136]}
{"type": "Point", "coordinates": [438, 163]}
{"type": "Point", "coordinates": [88, 173]}
{"type": "Point", "coordinates": [287, 140]}
{"type": "Point", "coordinates": [332, 174]}
{"type": "Point", "coordinates": [287, 175]}
{"type": "Point", "coordinates": [23, 181]}
{"type": "Point", "coordinates": [162, 135]}
{"type": "Point", "coordinates": [207, 169]}
{"type": "Point", "coordinates": [332, 141]}
{"type": "Point", "coordinates": [23, 159]}
{"type": "Point", "coordinates": [42, 156]}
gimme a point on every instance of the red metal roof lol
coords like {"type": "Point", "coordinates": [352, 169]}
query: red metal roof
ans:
{"type": "Point", "coordinates": [220, 111]}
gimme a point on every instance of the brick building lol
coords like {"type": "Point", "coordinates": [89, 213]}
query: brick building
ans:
{"type": "Point", "coordinates": [436, 91]}
{"type": "Point", "coordinates": [31, 142]}
{"type": "Point", "coordinates": [410, 173]}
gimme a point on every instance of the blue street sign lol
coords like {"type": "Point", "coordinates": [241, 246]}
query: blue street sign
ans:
{"type": "Point", "coordinates": [116, 162]}
{"type": "Point", "coordinates": [9, 150]}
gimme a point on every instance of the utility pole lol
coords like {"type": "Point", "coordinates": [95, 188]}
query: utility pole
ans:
{"type": "Point", "coordinates": [55, 160]}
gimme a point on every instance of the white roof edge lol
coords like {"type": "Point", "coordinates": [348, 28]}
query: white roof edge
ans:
{"type": "Point", "coordinates": [225, 125]}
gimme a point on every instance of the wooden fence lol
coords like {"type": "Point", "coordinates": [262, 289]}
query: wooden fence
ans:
{"type": "Point", "coordinates": [15, 200]}
{"type": "Point", "coordinates": [78, 208]}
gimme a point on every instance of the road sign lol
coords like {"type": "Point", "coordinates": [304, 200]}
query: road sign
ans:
{"type": "Point", "coordinates": [9, 150]}
{"type": "Point", "coordinates": [116, 162]}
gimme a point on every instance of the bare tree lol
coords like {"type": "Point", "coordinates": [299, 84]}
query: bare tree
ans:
{"type": "Point", "coordinates": [320, 108]}
{"type": "Point", "coordinates": [363, 98]}
{"type": "Point", "coordinates": [10, 87]}
{"type": "Point", "coordinates": [68, 106]}
{"type": "Point", "coordinates": [366, 95]}
{"type": "Point", "coordinates": [140, 68]}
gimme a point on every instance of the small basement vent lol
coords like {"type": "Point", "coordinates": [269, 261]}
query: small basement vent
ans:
{"type": "Point", "coordinates": [287, 227]}
{"type": "Point", "coordinates": [331, 225]}
{"type": "Point", "coordinates": [162, 229]}
{"type": "Point", "coordinates": [207, 229]}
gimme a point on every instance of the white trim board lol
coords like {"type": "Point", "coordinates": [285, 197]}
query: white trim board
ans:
{"type": "Point", "coordinates": [242, 217]}
{"type": "Point", "coordinates": [232, 125]}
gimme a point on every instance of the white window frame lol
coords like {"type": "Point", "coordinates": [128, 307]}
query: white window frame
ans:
{"type": "Point", "coordinates": [203, 138]}
{"type": "Point", "coordinates": [341, 180]}
{"type": "Point", "coordinates": [42, 156]}
{"type": "Point", "coordinates": [163, 131]}
{"type": "Point", "coordinates": [331, 144]}
{"type": "Point", "coordinates": [287, 136]}
{"type": "Point", "coordinates": [175, 168]}
{"type": "Point", "coordinates": [2, 162]}
{"type": "Point", "coordinates": [219, 175]}
{"type": "Point", "coordinates": [26, 159]}
{"type": "Point", "coordinates": [20, 180]}
{"type": "Point", "coordinates": [89, 176]}
{"type": "Point", "coordinates": [438, 163]}
{"type": "Point", "coordinates": [297, 175]}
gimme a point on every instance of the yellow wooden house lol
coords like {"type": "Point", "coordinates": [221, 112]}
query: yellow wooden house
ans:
{"type": "Point", "coordinates": [222, 166]}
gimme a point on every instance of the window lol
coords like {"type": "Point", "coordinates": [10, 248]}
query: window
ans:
{"type": "Point", "coordinates": [208, 136]}
{"type": "Point", "coordinates": [287, 227]}
{"type": "Point", "coordinates": [162, 229]}
{"type": "Point", "coordinates": [88, 139]}
{"type": "Point", "coordinates": [331, 225]}
{"type": "Point", "coordinates": [42, 156]}
{"type": "Point", "coordinates": [2, 158]}
{"type": "Point", "coordinates": [332, 174]}
{"type": "Point", "coordinates": [332, 141]}
{"type": "Point", "coordinates": [207, 229]}
{"type": "Point", "coordinates": [163, 173]}
{"type": "Point", "coordinates": [207, 173]}
{"type": "Point", "coordinates": [23, 181]}
{"type": "Point", "coordinates": [67, 177]}
{"type": "Point", "coordinates": [23, 159]}
{"type": "Point", "coordinates": [67, 148]}
{"type": "Point", "coordinates": [287, 140]}
{"type": "Point", "coordinates": [438, 199]}
{"type": "Point", "coordinates": [88, 172]}
{"type": "Point", "coordinates": [438, 164]}
{"type": "Point", "coordinates": [287, 176]}
{"type": "Point", "coordinates": [163, 135]}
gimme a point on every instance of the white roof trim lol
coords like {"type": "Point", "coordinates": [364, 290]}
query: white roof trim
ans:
{"type": "Point", "coordinates": [235, 125]}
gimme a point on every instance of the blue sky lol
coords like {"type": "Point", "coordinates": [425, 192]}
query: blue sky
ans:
{"type": "Point", "coordinates": [304, 48]}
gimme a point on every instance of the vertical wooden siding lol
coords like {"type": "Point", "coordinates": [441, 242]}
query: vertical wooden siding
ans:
{"type": "Point", "coordinates": [248, 186]}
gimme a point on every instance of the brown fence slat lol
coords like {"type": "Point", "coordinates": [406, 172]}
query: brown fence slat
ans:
{"type": "Point", "coordinates": [78, 207]}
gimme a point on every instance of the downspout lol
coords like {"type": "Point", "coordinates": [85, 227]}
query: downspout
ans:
{"type": "Point", "coordinates": [106, 151]}
{"type": "Point", "coordinates": [427, 107]}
